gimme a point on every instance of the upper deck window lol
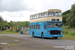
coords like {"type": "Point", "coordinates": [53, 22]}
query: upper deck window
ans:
{"type": "Point", "coordinates": [30, 17]}
{"type": "Point", "coordinates": [39, 15]}
{"type": "Point", "coordinates": [50, 13]}
{"type": "Point", "coordinates": [45, 14]}
{"type": "Point", "coordinates": [58, 13]}
{"type": "Point", "coordinates": [42, 14]}
{"type": "Point", "coordinates": [35, 16]}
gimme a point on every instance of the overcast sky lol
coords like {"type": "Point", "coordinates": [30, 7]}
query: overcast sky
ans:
{"type": "Point", "coordinates": [20, 10]}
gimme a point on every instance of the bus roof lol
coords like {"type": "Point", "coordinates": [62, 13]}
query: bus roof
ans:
{"type": "Point", "coordinates": [48, 10]}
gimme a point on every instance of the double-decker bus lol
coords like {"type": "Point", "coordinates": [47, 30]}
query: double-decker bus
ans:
{"type": "Point", "coordinates": [46, 24]}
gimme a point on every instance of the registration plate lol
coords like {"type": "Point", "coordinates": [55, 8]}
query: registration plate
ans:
{"type": "Point", "coordinates": [55, 35]}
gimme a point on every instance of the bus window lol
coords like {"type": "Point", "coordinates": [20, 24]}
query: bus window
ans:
{"type": "Point", "coordinates": [35, 16]}
{"type": "Point", "coordinates": [30, 17]}
{"type": "Point", "coordinates": [50, 13]}
{"type": "Point", "coordinates": [50, 25]}
{"type": "Point", "coordinates": [58, 13]}
{"type": "Point", "coordinates": [39, 15]}
{"type": "Point", "coordinates": [45, 14]}
{"type": "Point", "coordinates": [42, 14]}
{"type": "Point", "coordinates": [53, 19]}
{"type": "Point", "coordinates": [30, 26]}
{"type": "Point", "coordinates": [58, 24]}
{"type": "Point", "coordinates": [33, 26]}
{"type": "Point", "coordinates": [45, 26]}
{"type": "Point", "coordinates": [37, 26]}
{"type": "Point", "coordinates": [57, 19]}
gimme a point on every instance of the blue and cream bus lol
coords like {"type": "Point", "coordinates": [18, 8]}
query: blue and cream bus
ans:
{"type": "Point", "coordinates": [46, 24]}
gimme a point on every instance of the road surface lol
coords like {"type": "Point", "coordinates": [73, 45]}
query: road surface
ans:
{"type": "Point", "coordinates": [56, 43]}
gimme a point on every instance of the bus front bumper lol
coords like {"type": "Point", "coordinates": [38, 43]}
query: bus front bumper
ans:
{"type": "Point", "coordinates": [53, 36]}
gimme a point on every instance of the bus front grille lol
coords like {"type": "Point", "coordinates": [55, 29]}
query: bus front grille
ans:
{"type": "Point", "coordinates": [55, 32]}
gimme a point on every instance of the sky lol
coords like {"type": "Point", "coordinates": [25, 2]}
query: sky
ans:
{"type": "Point", "coordinates": [20, 10]}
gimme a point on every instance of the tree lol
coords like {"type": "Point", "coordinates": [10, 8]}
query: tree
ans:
{"type": "Point", "coordinates": [4, 24]}
{"type": "Point", "coordinates": [65, 16]}
{"type": "Point", "coordinates": [1, 19]}
{"type": "Point", "coordinates": [66, 12]}
{"type": "Point", "coordinates": [71, 18]}
{"type": "Point", "coordinates": [27, 24]}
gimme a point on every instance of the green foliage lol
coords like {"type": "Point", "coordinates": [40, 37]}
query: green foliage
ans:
{"type": "Point", "coordinates": [7, 30]}
{"type": "Point", "coordinates": [68, 31]}
{"type": "Point", "coordinates": [27, 24]}
{"type": "Point", "coordinates": [71, 18]}
{"type": "Point", "coordinates": [65, 16]}
{"type": "Point", "coordinates": [1, 19]}
{"type": "Point", "coordinates": [72, 33]}
{"type": "Point", "coordinates": [3, 24]}
{"type": "Point", "coordinates": [66, 27]}
{"type": "Point", "coordinates": [13, 24]}
{"type": "Point", "coordinates": [65, 32]}
{"type": "Point", "coordinates": [66, 12]}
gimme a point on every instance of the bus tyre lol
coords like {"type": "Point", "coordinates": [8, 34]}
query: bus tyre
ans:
{"type": "Point", "coordinates": [42, 36]}
{"type": "Point", "coordinates": [55, 37]}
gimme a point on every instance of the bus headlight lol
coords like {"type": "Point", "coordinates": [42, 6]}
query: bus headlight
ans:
{"type": "Point", "coordinates": [61, 32]}
{"type": "Point", "coordinates": [48, 32]}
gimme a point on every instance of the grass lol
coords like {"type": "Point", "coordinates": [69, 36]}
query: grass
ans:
{"type": "Point", "coordinates": [9, 32]}
{"type": "Point", "coordinates": [68, 33]}
{"type": "Point", "coordinates": [66, 28]}
{"type": "Point", "coordinates": [68, 37]}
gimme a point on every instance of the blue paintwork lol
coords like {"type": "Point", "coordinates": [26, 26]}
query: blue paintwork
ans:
{"type": "Point", "coordinates": [37, 32]}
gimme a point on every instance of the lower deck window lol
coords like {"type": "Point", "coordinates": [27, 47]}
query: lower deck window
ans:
{"type": "Point", "coordinates": [34, 26]}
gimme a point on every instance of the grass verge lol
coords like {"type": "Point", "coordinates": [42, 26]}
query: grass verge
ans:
{"type": "Point", "coordinates": [68, 37]}
{"type": "Point", "coordinates": [9, 32]}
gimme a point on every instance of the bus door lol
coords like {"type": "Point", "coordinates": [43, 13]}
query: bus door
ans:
{"type": "Point", "coordinates": [45, 26]}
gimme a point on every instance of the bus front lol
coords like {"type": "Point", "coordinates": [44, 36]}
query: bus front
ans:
{"type": "Point", "coordinates": [54, 29]}
{"type": "Point", "coordinates": [54, 24]}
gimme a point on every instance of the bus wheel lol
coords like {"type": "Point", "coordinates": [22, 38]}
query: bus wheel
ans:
{"type": "Point", "coordinates": [42, 36]}
{"type": "Point", "coordinates": [33, 34]}
{"type": "Point", "coordinates": [55, 37]}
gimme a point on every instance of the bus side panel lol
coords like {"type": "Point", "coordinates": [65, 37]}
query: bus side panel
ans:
{"type": "Point", "coordinates": [38, 32]}
{"type": "Point", "coordinates": [42, 30]}
{"type": "Point", "coordinates": [33, 30]}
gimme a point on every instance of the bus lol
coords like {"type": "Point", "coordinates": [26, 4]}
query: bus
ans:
{"type": "Point", "coordinates": [46, 24]}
